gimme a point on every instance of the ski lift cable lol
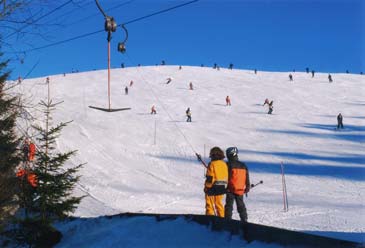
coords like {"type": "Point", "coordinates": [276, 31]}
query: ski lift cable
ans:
{"type": "Point", "coordinates": [162, 105]}
{"type": "Point", "coordinates": [41, 17]}
{"type": "Point", "coordinates": [99, 31]}
{"type": "Point", "coordinates": [159, 12]}
{"type": "Point", "coordinates": [89, 16]}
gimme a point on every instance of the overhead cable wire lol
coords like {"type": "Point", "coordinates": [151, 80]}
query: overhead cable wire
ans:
{"type": "Point", "coordinates": [41, 17]}
{"type": "Point", "coordinates": [64, 41]}
{"type": "Point", "coordinates": [89, 16]}
{"type": "Point", "coordinates": [68, 13]}
{"type": "Point", "coordinates": [99, 31]}
{"type": "Point", "coordinates": [159, 12]}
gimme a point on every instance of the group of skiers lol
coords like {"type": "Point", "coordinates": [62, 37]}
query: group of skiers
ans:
{"type": "Point", "coordinates": [229, 178]}
{"type": "Point", "coordinates": [126, 88]}
{"type": "Point", "coordinates": [329, 76]}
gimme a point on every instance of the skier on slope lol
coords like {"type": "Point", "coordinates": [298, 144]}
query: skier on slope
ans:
{"type": "Point", "coordinates": [188, 115]}
{"type": "Point", "coordinates": [168, 80]}
{"type": "Point", "coordinates": [191, 86]}
{"type": "Point", "coordinates": [271, 107]}
{"type": "Point", "coordinates": [238, 185]}
{"type": "Point", "coordinates": [153, 110]}
{"type": "Point", "coordinates": [228, 101]}
{"type": "Point", "coordinates": [339, 121]}
{"type": "Point", "coordinates": [126, 90]}
{"type": "Point", "coordinates": [215, 183]}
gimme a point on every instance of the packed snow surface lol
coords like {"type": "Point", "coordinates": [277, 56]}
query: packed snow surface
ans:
{"type": "Point", "coordinates": [138, 162]}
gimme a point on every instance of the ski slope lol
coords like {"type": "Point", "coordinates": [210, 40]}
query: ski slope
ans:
{"type": "Point", "coordinates": [138, 162]}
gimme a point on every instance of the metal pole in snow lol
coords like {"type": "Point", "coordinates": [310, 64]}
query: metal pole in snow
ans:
{"type": "Point", "coordinates": [204, 152]}
{"type": "Point", "coordinates": [285, 196]}
{"type": "Point", "coordinates": [109, 70]}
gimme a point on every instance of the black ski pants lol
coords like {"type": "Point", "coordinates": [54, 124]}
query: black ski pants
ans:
{"type": "Point", "coordinates": [241, 208]}
{"type": "Point", "coordinates": [339, 125]}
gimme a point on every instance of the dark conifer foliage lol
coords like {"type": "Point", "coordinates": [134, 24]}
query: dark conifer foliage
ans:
{"type": "Point", "coordinates": [9, 143]}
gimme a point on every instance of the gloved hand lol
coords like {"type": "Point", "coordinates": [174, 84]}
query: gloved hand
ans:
{"type": "Point", "coordinates": [247, 189]}
{"type": "Point", "coordinates": [198, 156]}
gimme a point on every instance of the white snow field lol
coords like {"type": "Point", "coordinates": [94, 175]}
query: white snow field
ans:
{"type": "Point", "coordinates": [138, 162]}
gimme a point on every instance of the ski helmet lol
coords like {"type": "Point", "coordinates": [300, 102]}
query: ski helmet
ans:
{"type": "Point", "coordinates": [231, 152]}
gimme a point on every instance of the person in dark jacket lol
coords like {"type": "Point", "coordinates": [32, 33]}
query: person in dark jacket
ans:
{"type": "Point", "coordinates": [188, 115]}
{"type": "Point", "coordinates": [339, 121]}
{"type": "Point", "coordinates": [238, 185]}
{"type": "Point", "coordinates": [271, 107]}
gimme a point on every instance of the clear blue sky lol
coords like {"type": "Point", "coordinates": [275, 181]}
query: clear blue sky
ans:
{"type": "Point", "coordinates": [324, 35]}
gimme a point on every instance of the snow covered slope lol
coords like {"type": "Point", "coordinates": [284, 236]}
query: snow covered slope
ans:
{"type": "Point", "coordinates": [138, 162]}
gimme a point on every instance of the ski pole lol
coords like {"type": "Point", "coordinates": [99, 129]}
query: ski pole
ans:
{"type": "Point", "coordinates": [201, 160]}
{"type": "Point", "coordinates": [254, 185]}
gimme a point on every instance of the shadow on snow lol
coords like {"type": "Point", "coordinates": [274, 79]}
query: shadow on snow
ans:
{"type": "Point", "coordinates": [313, 169]}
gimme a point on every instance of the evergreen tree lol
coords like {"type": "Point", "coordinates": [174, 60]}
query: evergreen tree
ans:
{"type": "Point", "coordinates": [53, 199]}
{"type": "Point", "coordinates": [9, 143]}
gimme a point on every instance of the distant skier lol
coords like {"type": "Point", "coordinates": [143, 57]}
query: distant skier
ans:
{"type": "Point", "coordinates": [126, 90]}
{"type": "Point", "coordinates": [290, 77]}
{"type": "Point", "coordinates": [255, 71]}
{"type": "Point", "coordinates": [131, 83]}
{"type": "Point", "coordinates": [215, 66]}
{"type": "Point", "coordinates": [153, 110]}
{"type": "Point", "coordinates": [215, 183]}
{"type": "Point", "coordinates": [163, 62]}
{"type": "Point", "coordinates": [238, 184]}
{"type": "Point", "coordinates": [330, 78]}
{"type": "Point", "coordinates": [188, 115]}
{"type": "Point", "coordinates": [312, 73]}
{"type": "Point", "coordinates": [230, 66]}
{"type": "Point", "coordinates": [228, 101]}
{"type": "Point", "coordinates": [180, 67]}
{"type": "Point", "coordinates": [168, 80]}
{"type": "Point", "coordinates": [191, 86]}
{"type": "Point", "coordinates": [339, 121]}
{"type": "Point", "coordinates": [307, 70]}
{"type": "Point", "coordinates": [266, 102]}
{"type": "Point", "coordinates": [271, 107]}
